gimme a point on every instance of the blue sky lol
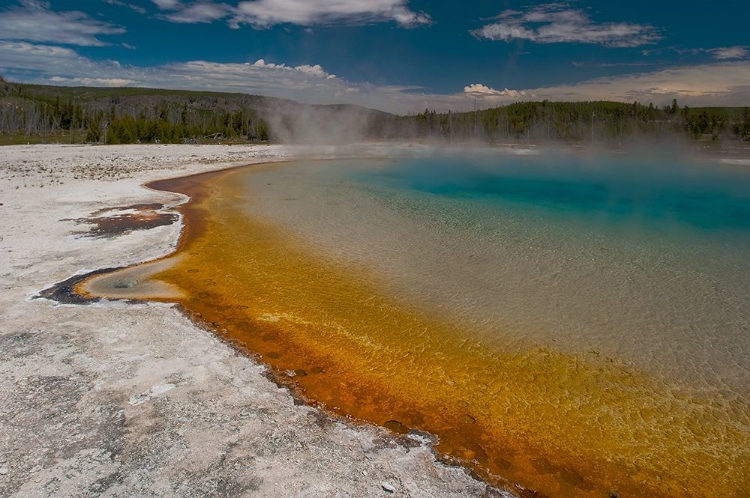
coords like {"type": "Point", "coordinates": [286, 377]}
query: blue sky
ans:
{"type": "Point", "coordinates": [397, 55]}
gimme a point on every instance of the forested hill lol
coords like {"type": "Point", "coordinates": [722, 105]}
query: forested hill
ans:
{"type": "Point", "coordinates": [129, 115]}
{"type": "Point", "coordinates": [37, 113]}
{"type": "Point", "coordinates": [591, 122]}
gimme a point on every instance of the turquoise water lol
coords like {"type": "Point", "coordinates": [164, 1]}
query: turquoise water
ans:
{"type": "Point", "coordinates": [643, 259]}
{"type": "Point", "coordinates": [652, 193]}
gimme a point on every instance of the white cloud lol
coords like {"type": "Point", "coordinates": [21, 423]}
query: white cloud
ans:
{"type": "Point", "coordinates": [738, 52]}
{"type": "Point", "coordinates": [201, 12]}
{"type": "Point", "coordinates": [167, 4]}
{"type": "Point", "coordinates": [720, 54]}
{"type": "Point", "coordinates": [316, 70]}
{"type": "Point", "coordinates": [555, 23]}
{"type": "Point", "coordinates": [265, 13]}
{"type": "Point", "coordinates": [302, 83]}
{"type": "Point", "coordinates": [111, 82]}
{"type": "Point", "coordinates": [479, 90]}
{"type": "Point", "coordinates": [34, 21]}
{"type": "Point", "coordinates": [23, 55]}
{"type": "Point", "coordinates": [33, 50]}
{"type": "Point", "coordinates": [720, 83]}
{"type": "Point", "coordinates": [131, 6]}
{"type": "Point", "coordinates": [263, 63]}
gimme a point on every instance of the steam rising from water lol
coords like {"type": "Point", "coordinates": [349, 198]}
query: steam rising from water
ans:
{"type": "Point", "coordinates": [310, 124]}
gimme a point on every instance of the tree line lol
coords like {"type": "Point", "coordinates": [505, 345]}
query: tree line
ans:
{"type": "Point", "coordinates": [170, 125]}
{"type": "Point", "coordinates": [166, 121]}
{"type": "Point", "coordinates": [607, 122]}
{"type": "Point", "coordinates": [116, 116]}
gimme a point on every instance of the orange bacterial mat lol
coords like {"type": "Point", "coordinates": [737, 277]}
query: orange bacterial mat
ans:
{"type": "Point", "coordinates": [534, 420]}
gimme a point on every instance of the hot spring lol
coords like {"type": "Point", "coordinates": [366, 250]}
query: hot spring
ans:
{"type": "Point", "coordinates": [572, 325]}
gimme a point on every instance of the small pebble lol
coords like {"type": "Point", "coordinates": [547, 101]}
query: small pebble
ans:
{"type": "Point", "coordinates": [388, 487]}
{"type": "Point", "coordinates": [3, 471]}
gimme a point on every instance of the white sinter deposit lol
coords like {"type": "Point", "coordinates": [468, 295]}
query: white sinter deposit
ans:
{"type": "Point", "coordinates": [134, 400]}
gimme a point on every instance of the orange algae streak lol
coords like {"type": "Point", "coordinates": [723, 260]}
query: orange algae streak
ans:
{"type": "Point", "coordinates": [558, 424]}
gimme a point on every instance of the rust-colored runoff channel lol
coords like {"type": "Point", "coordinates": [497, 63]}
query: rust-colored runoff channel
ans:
{"type": "Point", "coordinates": [537, 421]}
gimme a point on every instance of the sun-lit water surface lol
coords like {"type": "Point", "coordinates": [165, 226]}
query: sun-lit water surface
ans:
{"type": "Point", "coordinates": [645, 259]}
{"type": "Point", "coordinates": [578, 326]}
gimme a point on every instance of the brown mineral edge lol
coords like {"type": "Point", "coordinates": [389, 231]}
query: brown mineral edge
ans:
{"type": "Point", "coordinates": [111, 222]}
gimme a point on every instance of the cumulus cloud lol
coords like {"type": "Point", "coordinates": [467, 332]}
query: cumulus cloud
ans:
{"type": "Point", "coordinates": [479, 90]}
{"type": "Point", "coordinates": [316, 70]}
{"type": "Point", "coordinates": [33, 21]}
{"type": "Point", "coordinates": [271, 65]}
{"type": "Point", "coordinates": [738, 52]}
{"type": "Point", "coordinates": [556, 23]}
